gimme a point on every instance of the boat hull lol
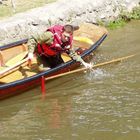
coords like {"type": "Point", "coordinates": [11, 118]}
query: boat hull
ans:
{"type": "Point", "coordinates": [18, 87]}
{"type": "Point", "coordinates": [25, 84]}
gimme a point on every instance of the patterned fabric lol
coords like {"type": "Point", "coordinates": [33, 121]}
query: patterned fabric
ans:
{"type": "Point", "coordinates": [51, 39]}
{"type": "Point", "coordinates": [46, 37]}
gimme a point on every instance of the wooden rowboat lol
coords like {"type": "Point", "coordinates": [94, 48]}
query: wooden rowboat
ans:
{"type": "Point", "coordinates": [15, 74]}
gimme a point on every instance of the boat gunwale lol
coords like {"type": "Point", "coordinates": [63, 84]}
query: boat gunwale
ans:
{"type": "Point", "coordinates": [45, 73]}
{"type": "Point", "coordinates": [10, 45]}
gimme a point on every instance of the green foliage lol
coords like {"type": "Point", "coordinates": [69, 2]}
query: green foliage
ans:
{"type": "Point", "coordinates": [116, 24]}
{"type": "Point", "coordinates": [124, 18]}
{"type": "Point", "coordinates": [136, 13]}
{"type": "Point", "coordinates": [99, 22]}
{"type": "Point", "coordinates": [6, 9]}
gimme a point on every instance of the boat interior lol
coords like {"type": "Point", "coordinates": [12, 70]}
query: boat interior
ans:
{"type": "Point", "coordinates": [10, 71]}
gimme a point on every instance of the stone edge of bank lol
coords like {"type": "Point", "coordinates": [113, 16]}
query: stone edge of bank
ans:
{"type": "Point", "coordinates": [23, 25]}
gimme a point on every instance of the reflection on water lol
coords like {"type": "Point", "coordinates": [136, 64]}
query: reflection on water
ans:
{"type": "Point", "coordinates": [102, 104]}
{"type": "Point", "coordinates": [35, 119]}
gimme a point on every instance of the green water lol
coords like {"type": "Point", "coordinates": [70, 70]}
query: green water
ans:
{"type": "Point", "coordinates": [103, 104]}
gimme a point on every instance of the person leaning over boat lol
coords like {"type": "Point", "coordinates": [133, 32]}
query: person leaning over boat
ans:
{"type": "Point", "coordinates": [49, 45]}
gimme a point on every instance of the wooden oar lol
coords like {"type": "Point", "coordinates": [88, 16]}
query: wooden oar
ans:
{"type": "Point", "coordinates": [12, 68]}
{"type": "Point", "coordinates": [94, 66]}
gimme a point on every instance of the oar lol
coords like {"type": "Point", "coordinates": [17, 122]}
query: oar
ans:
{"type": "Point", "coordinates": [12, 68]}
{"type": "Point", "coordinates": [94, 66]}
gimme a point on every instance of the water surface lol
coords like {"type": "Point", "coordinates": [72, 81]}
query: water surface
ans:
{"type": "Point", "coordinates": [103, 104]}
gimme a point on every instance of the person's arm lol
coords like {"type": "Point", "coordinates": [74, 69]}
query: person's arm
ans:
{"type": "Point", "coordinates": [46, 37]}
{"type": "Point", "coordinates": [32, 43]}
{"type": "Point", "coordinates": [78, 58]}
{"type": "Point", "coordinates": [31, 47]}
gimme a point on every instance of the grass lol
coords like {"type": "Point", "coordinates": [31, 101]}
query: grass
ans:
{"type": "Point", "coordinates": [135, 13]}
{"type": "Point", "coordinates": [124, 18]}
{"type": "Point", "coordinates": [6, 9]}
{"type": "Point", "coordinates": [116, 24]}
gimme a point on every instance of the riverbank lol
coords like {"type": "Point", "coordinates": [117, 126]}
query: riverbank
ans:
{"type": "Point", "coordinates": [9, 8]}
{"type": "Point", "coordinates": [23, 25]}
{"type": "Point", "coordinates": [124, 18]}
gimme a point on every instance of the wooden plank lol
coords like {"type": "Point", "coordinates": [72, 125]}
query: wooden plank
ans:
{"type": "Point", "coordinates": [1, 59]}
{"type": "Point", "coordinates": [16, 59]}
{"type": "Point", "coordinates": [12, 64]}
{"type": "Point", "coordinates": [12, 52]}
{"type": "Point", "coordinates": [21, 72]}
{"type": "Point", "coordinates": [12, 68]}
{"type": "Point", "coordinates": [90, 31]}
